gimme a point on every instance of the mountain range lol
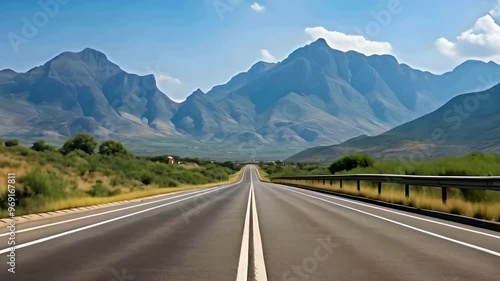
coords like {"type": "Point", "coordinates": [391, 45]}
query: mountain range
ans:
{"type": "Point", "coordinates": [83, 92]}
{"type": "Point", "coordinates": [321, 95]}
{"type": "Point", "coordinates": [467, 123]}
{"type": "Point", "coordinates": [316, 96]}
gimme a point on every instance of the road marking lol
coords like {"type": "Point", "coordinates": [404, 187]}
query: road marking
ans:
{"type": "Point", "coordinates": [245, 244]}
{"type": "Point", "coordinates": [407, 215]}
{"type": "Point", "coordinates": [402, 224]}
{"type": "Point", "coordinates": [259, 269]}
{"type": "Point", "coordinates": [38, 241]}
{"type": "Point", "coordinates": [116, 210]}
{"type": "Point", "coordinates": [260, 265]}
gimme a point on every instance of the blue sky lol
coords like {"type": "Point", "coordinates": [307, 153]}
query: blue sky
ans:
{"type": "Point", "coordinates": [193, 44]}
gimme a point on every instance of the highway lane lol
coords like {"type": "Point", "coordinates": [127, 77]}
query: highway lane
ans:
{"type": "Point", "coordinates": [198, 238]}
{"type": "Point", "coordinates": [311, 236]}
{"type": "Point", "coordinates": [251, 231]}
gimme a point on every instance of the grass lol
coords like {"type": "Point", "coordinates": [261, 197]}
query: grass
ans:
{"type": "Point", "coordinates": [474, 164]}
{"type": "Point", "coordinates": [420, 197]}
{"type": "Point", "coordinates": [263, 175]}
{"type": "Point", "coordinates": [50, 180]}
{"type": "Point", "coordinates": [84, 201]}
{"type": "Point", "coordinates": [472, 203]}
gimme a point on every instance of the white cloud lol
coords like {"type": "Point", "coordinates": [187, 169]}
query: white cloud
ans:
{"type": "Point", "coordinates": [267, 56]}
{"type": "Point", "coordinates": [346, 42]}
{"type": "Point", "coordinates": [171, 86]}
{"type": "Point", "coordinates": [258, 7]}
{"type": "Point", "coordinates": [167, 79]}
{"type": "Point", "coordinates": [481, 42]}
{"type": "Point", "coordinates": [495, 12]}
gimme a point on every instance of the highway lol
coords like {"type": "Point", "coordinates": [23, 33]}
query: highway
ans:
{"type": "Point", "coordinates": [250, 230]}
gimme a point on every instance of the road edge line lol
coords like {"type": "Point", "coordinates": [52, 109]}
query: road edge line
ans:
{"type": "Point", "coordinates": [184, 193]}
{"type": "Point", "coordinates": [258, 251]}
{"type": "Point", "coordinates": [242, 273]}
{"type": "Point", "coordinates": [48, 238]}
{"type": "Point", "coordinates": [468, 245]}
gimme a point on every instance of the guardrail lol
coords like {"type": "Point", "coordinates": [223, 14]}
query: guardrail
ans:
{"type": "Point", "coordinates": [445, 182]}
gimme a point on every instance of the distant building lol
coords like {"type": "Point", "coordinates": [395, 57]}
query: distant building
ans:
{"type": "Point", "coordinates": [170, 160]}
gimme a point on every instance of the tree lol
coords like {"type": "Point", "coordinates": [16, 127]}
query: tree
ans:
{"type": "Point", "coordinates": [41, 145]}
{"type": "Point", "coordinates": [349, 162]}
{"type": "Point", "coordinates": [111, 147]}
{"type": "Point", "coordinates": [10, 143]}
{"type": "Point", "coordinates": [83, 142]}
{"type": "Point", "coordinates": [231, 165]}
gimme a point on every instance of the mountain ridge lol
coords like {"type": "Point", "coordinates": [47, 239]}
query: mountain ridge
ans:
{"type": "Point", "coordinates": [83, 91]}
{"type": "Point", "coordinates": [315, 96]}
{"type": "Point", "coordinates": [456, 128]}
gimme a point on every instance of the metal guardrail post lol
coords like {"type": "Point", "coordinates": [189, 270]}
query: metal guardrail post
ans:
{"type": "Point", "coordinates": [331, 182]}
{"type": "Point", "coordinates": [379, 188]}
{"type": "Point", "coordinates": [359, 185]}
{"type": "Point", "coordinates": [407, 190]}
{"type": "Point", "coordinates": [444, 194]}
{"type": "Point", "coordinates": [340, 183]}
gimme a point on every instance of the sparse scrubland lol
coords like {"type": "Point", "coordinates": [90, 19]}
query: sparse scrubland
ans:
{"type": "Point", "coordinates": [83, 172]}
{"type": "Point", "coordinates": [473, 203]}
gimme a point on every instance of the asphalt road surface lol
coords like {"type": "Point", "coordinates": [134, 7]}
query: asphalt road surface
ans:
{"type": "Point", "coordinates": [249, 231]}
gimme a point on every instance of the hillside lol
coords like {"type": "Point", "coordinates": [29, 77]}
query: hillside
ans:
{"type": "Point", "coordinates": [319, 95]}
{"type": "Point", "coordinates": [83, 93]}
{"type": "Point", "coordinates": [467, 123]}
{"type": "Point", "coordinates": [50, 179]}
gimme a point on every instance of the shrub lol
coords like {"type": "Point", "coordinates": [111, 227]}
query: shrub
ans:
{"type": "Point", "coordinates": [231, 165]}
{"type": "Point", "coordinates": [101, 190]}
{"type": "Point", "coordinates": [36, 183]}
{"type": "Point", "coordinates": [472, 195]}
{"type": "Point", "coordinates": [350, 162]}
{"type": "Point", "coordinates": [147, 179]}
{"type": "Point", "coordinates": [111, 147]}
{"type": "Point", "coordinates": [94, 163]}
{"type": "Point", "coordinates": [10, 143]}
{"type": "Point", "coordinates": [41, 145]}
{"type": "Point", "coordinates": [83, 142]}
{"type": "Point", "coordinates": [77, 160]}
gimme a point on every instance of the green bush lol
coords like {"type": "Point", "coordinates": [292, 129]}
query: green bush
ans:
{"type": "Point", "coordinates": [473, 195]}
{"type": "Point", "coordinates": [349, 162]}
{"type": "Point", "coordinates": [83, 142]}
{"type": "Point", "coordinates": [101, 190]}
{"type": "Point", "coordinates": [78, 161]}
{"type": "Point", "coordinates": [39, 184]}
{"type": "Point", "coordinates": [231, 165]}
{"type": "Point", "coordinates": [11, 143]}
{"type": "Point", "coordinates": [111, 147]}
{"type": "Point", "coordinates": [41, 145]}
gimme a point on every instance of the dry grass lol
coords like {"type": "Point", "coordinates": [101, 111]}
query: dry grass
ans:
{"type": "Point", "coordinates": [78, 185]}
{"type": "Point", "coordinates": [263, 175]}
{"type": "Point", "coordinates": [10, 165]}
{"type": "Point", "coordinates": [419, 199]}
{"type": "Point", "coordinates": [76, 202]}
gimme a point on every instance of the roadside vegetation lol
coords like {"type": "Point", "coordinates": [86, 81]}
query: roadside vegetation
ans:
{"type": "Point", "coordinates": [83, 172]}
{"type": "Point", "coordinates": [473, 203]}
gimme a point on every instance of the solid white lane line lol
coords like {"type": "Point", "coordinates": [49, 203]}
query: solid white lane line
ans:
{"type": "Point", "coordinates": [242, 274]}
{"type": "Point", "coordinates": [407, 215]}
{"type": "Point", "coordinates": [260, 265]}
{"type": "Point", "coordinates": [27, 244]}
{"type": "Point", "coordinates": [114, 211]}
{"type": "Point", "coordinates": [401, 224]}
